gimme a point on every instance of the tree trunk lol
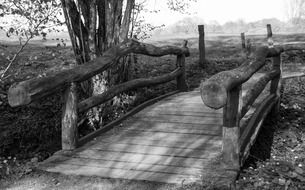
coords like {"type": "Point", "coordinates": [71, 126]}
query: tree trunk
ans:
{"type": "Point", "coordinates": [95, 26]}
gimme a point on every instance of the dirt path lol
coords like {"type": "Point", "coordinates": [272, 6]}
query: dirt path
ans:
{"type": "Point", "coordinates": [38, 180]}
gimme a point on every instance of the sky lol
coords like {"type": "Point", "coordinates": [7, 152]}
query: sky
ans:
{"type": "Point", "coordinates": [220, 10]}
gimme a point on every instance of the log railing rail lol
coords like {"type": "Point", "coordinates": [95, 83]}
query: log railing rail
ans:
{"type": "Point", "coordinates": [28, 91]}
{"type": "Point", "coordinates": [223, 90]}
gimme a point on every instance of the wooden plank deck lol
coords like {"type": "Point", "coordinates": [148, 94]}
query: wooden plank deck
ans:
{"type": "Point", "coordinates": [175, 140]}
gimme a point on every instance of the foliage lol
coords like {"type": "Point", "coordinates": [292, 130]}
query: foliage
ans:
{"type": "Point", "coordinates": [27, 19]}
{"type": "Point", "coordinates": [181, 6]}
{"type": "Point", "coordinates": [295, 10]}
{"type": "Point", "coordinates": [139, 27]}
{"type": "Point", "coordinates": [188, 25]}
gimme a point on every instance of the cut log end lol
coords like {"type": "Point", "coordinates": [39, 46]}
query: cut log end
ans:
{"type": "Point", "coordinates": [213, 95]}
{"type": "Point", "coordinates": [18, 96]}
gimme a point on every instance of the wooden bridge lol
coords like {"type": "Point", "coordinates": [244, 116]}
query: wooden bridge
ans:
{"type": "Point", "coordinates": [197, 136]}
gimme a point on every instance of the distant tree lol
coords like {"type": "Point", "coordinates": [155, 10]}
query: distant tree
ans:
{"type": "Point", "coordinates": [214, 26]}
{"type": "Point", "coordinates": [181, 6]}
{"type": "Point", "coordinates": [230, 27]}
{"type": "Point", "coordinates": [295, 10]}
{"type": "Point", "coordinates": [139, 27]}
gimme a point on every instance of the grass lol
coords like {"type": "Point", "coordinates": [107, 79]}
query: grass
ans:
{"type": "Point", "coordinates": [34, 131]}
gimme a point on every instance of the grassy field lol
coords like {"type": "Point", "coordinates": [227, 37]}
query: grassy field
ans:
{"type": "Point", "coordinates": [32, 133]}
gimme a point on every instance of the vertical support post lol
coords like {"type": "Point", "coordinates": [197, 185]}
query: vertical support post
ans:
{"type": "Point", "coordinates": [181, 79]}
{"type": "Point", "coordinates": [243, 41]}
{"type": "Point", "coordinates": [269, 36]}
{"type": "Point", "coordinates": [135, 57]}
{"type": "Point", "coordinates": [231, 129]}
{"type": "Point", "coordinates": [69, 119]}
{"type": "Point", "coordinates": [269, 31]}
{"type": "Point", "coordinates": [276, 83]}
{"type": "Point", "coordinates": [202, 60]}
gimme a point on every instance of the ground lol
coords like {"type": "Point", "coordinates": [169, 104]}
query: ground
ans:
{"type": "Point", "coordinates": [32, 133]}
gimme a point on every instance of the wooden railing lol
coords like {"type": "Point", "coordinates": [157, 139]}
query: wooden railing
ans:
{"type": "Point", "coordinates": [223, 90]}
{"type": "Point", "coordinates": [28, 91]}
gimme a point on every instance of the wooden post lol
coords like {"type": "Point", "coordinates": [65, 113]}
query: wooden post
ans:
{"type": "Point", "coordinates": [134, 55]}
{"type": "Point", "coordinates": [243, 41]}
{"type": "Point", "coordinates": [269, 36]}
{"type": "Point", "coordinates": [69, 119]}
{"type": "Point", "coordinates": [248, 46]}
{"type": "Point", "coordinates": [269, 31]}
{"type": "Point", "coordinates": [231, 130]}
{"type": "Point", "coordinates": [275, 86]}
{"type": "Point", "coordinates": [202, 60]}
{"type": "Point", "coordinates": [181, 79]}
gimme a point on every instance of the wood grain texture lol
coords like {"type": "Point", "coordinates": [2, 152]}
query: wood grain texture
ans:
{"type": "Point", "coordinates": [255, 90]}
{"type": "Point", "coordinates": [176, 144]}
{"type": "Point", "coordinates": [112, 124]}
{"type": "Point", "coordinates": [27, 91]}
{"type": "Point", "coordinates": [252, 128]}
{"type": "Point", "coordinates": [177, 139]}
{"type": "Point", "coordinates": [69, 118]}
{"type": "Point", "coordinates": [130, 85]}
{"type": "Point", "coordinates": [231, 128]}
{"type": "Point", "coordinates": [202, 60]}
{"type": "Point", "coordinates": [181, 79]}
{"type": "Point", "coordinates": [214, 90]}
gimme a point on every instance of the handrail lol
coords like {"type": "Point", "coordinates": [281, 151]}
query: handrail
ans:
{"type": "Point", "coordinates": [27, 91]}
{"type": "Point", "coordinates": [224, 89]}
{"type": "Point", "coordinates": [37, 88]}
{"type": "Point", "coordinates": [256, 90]}
{"type": "Point", "coordinates": [115, 90]}
{"type": "Point", "coordinates": [214, 90]}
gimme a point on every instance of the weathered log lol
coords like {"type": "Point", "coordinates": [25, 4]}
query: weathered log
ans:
{"type": "Point", "coordinates": [33, 89]}
{"type": "Point", "coordinates": [256, 90]}
{"type": "Point", "coordinates": [214, 91]}
{"type": "Point", "coordinates": [69, 119]}
{"type": "Point", "coordinates": [293, 47]}
{"type": "Point", "coordinates": [278, 49]}
{"type": "Point", "coordinates": [231, 130]}
{"type": "Point", "coordinates": [115, 90]}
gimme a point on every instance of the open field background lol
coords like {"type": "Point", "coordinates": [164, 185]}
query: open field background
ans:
{"type": "Point", "coordinates": [32, 133]}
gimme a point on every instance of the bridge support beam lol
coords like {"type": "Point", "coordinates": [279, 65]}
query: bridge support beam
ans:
{"type": "Point", "coordinates": [181, 79]}
{"type": "Point", "coordinates": [231, 130]}
{"type": "Point", "coordinates": [276, 83]}
{"type": "Point", "coordinates": [69, 119]}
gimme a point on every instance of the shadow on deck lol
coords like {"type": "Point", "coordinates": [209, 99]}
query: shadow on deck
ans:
{"type": "Point", "coordinates": [175, 140]}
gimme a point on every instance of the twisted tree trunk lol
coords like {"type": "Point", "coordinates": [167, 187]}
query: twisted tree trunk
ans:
{"type": "Point", "coordinates": [95, 26]}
